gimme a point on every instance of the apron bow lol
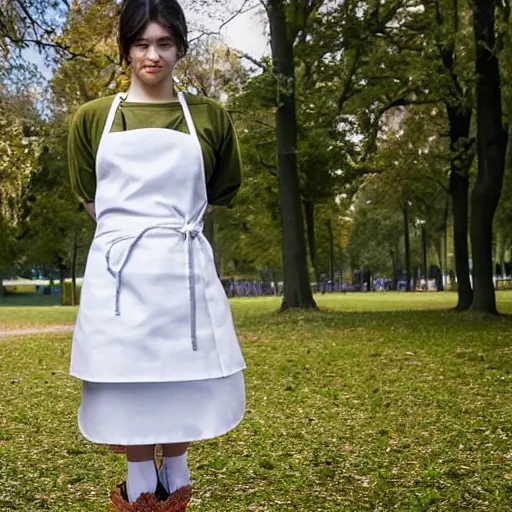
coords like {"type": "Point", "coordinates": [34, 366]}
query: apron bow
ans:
{"type": "Point", "coordinates": [188, 232]}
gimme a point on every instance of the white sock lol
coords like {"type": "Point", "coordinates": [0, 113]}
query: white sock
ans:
{"type": "Point", "coordinates": [174, 473]}
{"type": "Point", "coordinates": [141, 478]}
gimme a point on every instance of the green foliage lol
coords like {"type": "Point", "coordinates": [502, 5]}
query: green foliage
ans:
{"type": "Point", "coordinates": [20, 147]}
{"type": "Point", "coordinates": [373, 81]}
{"type": "Point", "coordinates": [413, 161]}
{"type": "Point", "coordinates": [376, 239]}
{"type": "Point", "coordinates": [53, 219]}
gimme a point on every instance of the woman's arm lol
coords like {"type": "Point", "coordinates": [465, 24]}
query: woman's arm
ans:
{"type": "Point", "coordinates": [81, 158]}
{"type": "Point", "coordinates": [226, 178]}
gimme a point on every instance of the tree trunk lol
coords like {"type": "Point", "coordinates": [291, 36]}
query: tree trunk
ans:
{"type": "Point", "coordinates": [331, 250]}
{"type": "Point", "coordinates": [297, 288]}
{"type": "Point", "coordinates": [62, 277]}
{"type": "Point", "coordinates": [459, 111]}
{"type": "Point", "coordinates": [424, 243]}
{"type": "Point", "coordinates": [407, 244]}
{"type": "Point", "coordinates": [441, 253]}
{"type": "Point", "coordinates": [309, 209]}
{"type": "Point", "coordinates": [73, 272]}
{"type": "Point", "coordinates": [459, 189]}
{"type": "Point", "coordinates": [502, 251]}
{"type": "Point", "coordinates": [394, 266]}
{"type": "Point", "coordinates": [443, 257]}
{"type": "Point", "coordinates": [342, 270]}
{"type": "Point", "coordinates": [492, 146]}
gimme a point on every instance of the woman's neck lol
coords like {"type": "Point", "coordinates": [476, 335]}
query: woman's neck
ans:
{"type": "Point", "coordinates": [140, 92]}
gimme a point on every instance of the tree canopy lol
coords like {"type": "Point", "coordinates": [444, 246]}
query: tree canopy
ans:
{"type": "Point", "coordinates": [363, 137]}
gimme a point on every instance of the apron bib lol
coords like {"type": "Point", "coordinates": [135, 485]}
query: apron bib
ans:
{"type": "Point", "coordinates": [152, 307]}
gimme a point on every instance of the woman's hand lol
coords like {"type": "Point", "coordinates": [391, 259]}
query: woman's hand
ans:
{"type": "Point", "coordinates": [91, 209]}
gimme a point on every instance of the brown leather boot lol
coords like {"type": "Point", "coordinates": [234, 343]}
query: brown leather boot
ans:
{"type": "Point", "coordinates": [146, 502]}
{"type": "Point", "coordinates": [178, 501]}
{"type": "Point", "coordinates": [160, 501]}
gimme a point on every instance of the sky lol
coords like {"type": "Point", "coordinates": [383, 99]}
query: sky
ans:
{"type": "Point", "coordinates": [246, 32]}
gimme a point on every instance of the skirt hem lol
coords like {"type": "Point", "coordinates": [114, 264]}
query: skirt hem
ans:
{"type": "Point", "coordinates": [148, 440]}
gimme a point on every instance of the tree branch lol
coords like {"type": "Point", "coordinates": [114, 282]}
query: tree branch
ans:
{"type": "Point", "coordinates": [345, 95]}
{"type": "Point", "coordinates": [270, 167]}
{"type": "Point", "coordinates": [268, 125]}
{"type": "Point", "coordinates": [31, 19]}
{"type": "Point", "coordinates": [250, 58]}
{"type": "Point", "coordinates": [43, 44]}
{"type": "Point", "coordinates": [404, 102]}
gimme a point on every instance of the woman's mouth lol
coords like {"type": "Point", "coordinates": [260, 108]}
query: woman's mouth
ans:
{"type": "Point", "coordinates": [152, 69]}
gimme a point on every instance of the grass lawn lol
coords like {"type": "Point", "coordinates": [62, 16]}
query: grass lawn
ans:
{"type": "Point", "coordinates": [380, 402]}
{"type": "Point", "coordinates": [30, 310]}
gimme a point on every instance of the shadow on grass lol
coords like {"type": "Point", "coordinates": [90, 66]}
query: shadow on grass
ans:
{"type": "Point", "coordinates": [435, 319]}
{"type": "Point", "coordinates": [28, 300]}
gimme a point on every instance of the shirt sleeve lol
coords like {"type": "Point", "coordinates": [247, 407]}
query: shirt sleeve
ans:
{"type": "Point", "coordinates": [226, 178]}
{"type": "Point", "coordinates": [81, 158]}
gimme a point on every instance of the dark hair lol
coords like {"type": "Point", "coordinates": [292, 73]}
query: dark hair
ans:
{"type": "Point", "coordinates": [136, 15]}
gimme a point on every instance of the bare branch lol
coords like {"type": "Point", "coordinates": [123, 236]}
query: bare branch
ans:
{"type": "Point", "coordinates": [258, 121]}
{"type": "Point", "coordinates": [242, 10]}
{"type": "Point", "coordinates": [250, 58]}
{"type": "Point", "coordinates": [35, 24]}
{"type": "Point", "coordinates": [43, 44]}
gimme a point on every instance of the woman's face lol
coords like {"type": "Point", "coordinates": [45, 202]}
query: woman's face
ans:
{"type": "Point", "coordinates": [154, 55]}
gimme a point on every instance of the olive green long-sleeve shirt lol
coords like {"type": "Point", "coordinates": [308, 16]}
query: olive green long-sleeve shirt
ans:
{"type": "Point", "coordinates": [214, 128]}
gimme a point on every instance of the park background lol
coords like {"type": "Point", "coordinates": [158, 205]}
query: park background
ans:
{"type": "Point", "coordinates": [375, 143]}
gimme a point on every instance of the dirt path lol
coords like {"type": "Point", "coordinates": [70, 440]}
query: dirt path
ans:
{"type": "Point", "coordinates": [27, 331]}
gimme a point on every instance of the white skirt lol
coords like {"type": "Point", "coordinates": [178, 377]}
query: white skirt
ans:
{"type": "Point", "coordinates": [161, 412]}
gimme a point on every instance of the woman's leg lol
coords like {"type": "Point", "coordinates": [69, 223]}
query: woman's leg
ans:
{"type": "Point", "coordinates": [174, 473]}
{"type": "Point", "coordinates": [174, 450]}
{"type": "Point", "coordinates": [142, 475]}
{"type": "Point", "coordinates": [140, 453]}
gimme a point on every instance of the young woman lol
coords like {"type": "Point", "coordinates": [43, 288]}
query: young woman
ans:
{"type": "Point", "coordinates": [154, 342]}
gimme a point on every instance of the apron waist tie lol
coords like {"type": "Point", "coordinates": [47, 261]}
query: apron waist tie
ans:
{"type": "Point", "coordinates": [188, 233]}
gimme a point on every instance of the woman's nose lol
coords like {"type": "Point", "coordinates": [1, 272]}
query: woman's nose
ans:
{"type": "Point", "coordinates": [152, 53]}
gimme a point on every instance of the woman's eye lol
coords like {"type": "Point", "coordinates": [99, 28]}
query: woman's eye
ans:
{"type": "Point", "coordinates": [141, 45]}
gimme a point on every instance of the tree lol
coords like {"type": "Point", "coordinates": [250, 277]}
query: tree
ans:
{"type": "Point", "coordinates": [283, 32]}
{"type": "Point", "coordinates": [503, 216]}
{"type": "Point", "coordinates": [492, 145]}
{"type": "Point", "coordinates": [376, 238]}
{"type": "Point", "coordinates": [398, 54]}
{"type": "Point", "coordinates": [20, 146]}
{"type": "Point", "coordinates": [459, 109]}
{"type": "Point", "coordinates": [321, 147]}
{"type": "Point", "coordinates": [30, 22]}
{"type": "Point", "coordinates": [55, 230]}
{"type": "Point", "coordinates": [409, 182]}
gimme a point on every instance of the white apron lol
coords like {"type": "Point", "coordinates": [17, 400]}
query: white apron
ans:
{"type": "Point", "coordinates": [152, 306]}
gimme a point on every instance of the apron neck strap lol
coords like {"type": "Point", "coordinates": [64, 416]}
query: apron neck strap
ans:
{"type": "Point", "coordinates": [188, 115]}
{"type": "Point", "coordinates": [122, 96]}
{"type": "Point", "coordinates": [112, 113]}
